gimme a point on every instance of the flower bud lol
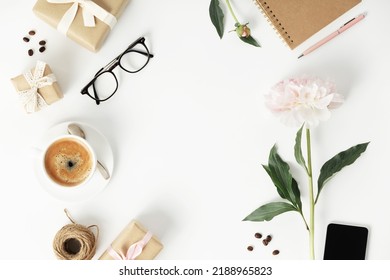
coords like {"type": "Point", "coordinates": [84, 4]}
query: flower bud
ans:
{"type": "Point", "coordinates": [243, 31]}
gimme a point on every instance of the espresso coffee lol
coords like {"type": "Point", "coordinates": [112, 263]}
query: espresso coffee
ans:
{"type": "Point", "coordinates": [68, 162]}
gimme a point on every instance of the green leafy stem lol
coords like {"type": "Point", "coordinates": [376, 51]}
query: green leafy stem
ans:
{"type": "Point", "coordinates": [287, 187]}
{"type": "Point", "coordinates": [217, 18]}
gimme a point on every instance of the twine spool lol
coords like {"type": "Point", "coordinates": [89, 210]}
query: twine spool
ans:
{"type": "Point", "coordinates": [75, 241]}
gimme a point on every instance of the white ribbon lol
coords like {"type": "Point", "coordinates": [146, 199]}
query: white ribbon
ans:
{"type": "Point", "coordinates": [90, 10]}
{"type": "Point", "coordinates": [30, 98]}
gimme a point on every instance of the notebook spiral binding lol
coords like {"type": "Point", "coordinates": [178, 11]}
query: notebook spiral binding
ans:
{"type": "Point", "coordinates": [274, 21]}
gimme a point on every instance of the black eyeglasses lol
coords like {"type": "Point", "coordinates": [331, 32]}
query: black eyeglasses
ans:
{"type": "Point", "coordinates": [105, 83]}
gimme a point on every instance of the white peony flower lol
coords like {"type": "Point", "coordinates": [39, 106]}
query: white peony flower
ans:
{"type": "Point", "coordinates": [303, 100]}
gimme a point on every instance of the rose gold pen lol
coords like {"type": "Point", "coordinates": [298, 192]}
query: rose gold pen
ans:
{"type": "Point", "coordinates": [346, 26]}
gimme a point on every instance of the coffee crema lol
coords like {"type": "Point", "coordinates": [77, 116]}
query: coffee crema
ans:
{"type": "Point", "coordinates": [68, 162]}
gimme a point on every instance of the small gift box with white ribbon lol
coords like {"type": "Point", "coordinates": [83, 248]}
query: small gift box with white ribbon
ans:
{"type": "Point", "coordinates": [86, 22]}
{"type": "Point", "coordinates": [37, 88]}
{"type": "Point", "coordinates": [133, 243]}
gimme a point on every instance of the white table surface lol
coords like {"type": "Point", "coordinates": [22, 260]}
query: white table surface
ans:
{"type": "Point", "coordinates": [189, 133]}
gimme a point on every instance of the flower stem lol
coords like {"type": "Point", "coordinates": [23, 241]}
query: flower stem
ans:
{"type": "Point", "coordinates": [311, 195]}
{"type": "Point", "coordinates": [231, 11]}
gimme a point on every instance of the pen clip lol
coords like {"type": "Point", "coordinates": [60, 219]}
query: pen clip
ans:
{"type": "Point", "coordinates": [347, 22]}
{"type": "Point", "coordinates": [363, 15]}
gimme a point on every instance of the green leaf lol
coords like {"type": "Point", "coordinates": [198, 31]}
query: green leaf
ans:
{"type": "Point", "coordinates": [268, 211]}
{"type": "Point", "coordinates": [297, 194]}
{"type": "Point", "coordinates": [270, 174]}
{"type": "Point", "coordinates": [279, 171]}
{"type": "Point", "coordinates": [216, 16]}
{"type": "Point", "coordinates": [250, 40]}
{"type": "Point", "coordinates": [338, 162]}
{"type": "Point", "coordinates": [298, 149]}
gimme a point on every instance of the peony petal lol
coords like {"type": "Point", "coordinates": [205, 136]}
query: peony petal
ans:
{"type": "Point", "coordinates": [324, 102]}
{"type": "Point", "coordinates": [337, 101]}
{"type": "Point", "coordinates": [303, 100]}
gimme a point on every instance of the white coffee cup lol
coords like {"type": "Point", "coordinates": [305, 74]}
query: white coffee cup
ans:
{"type": "Point", "coordinates": [68, 161]}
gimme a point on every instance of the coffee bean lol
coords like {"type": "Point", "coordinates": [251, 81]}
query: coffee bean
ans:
{"type": "Point", "coordinates": [250, 248]}
{"type": "Point", "coordinates": [42, 49]}
{"type": "Point", "coordinates": [275, 252]}
{"type": "Point", "coordinates": [258, 235]}
{"type": "Point", "coordinates": [31, 32]}
{"type": "Point", "coordinates": [42, 42]}
{"type": "Point", "coordinates": [268, 238]}
{"type": "Point", "coordinates": [30, 52]}
{"type": "Point", "coordinates": [26, 39]}
{"type": "Point", "coordinates": [265, 242]}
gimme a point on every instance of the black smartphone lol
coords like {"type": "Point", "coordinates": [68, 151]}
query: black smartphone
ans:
{"type": "Point", "coordinates": [345, 242]}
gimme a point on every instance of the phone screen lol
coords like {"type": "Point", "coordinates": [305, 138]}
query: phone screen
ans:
{"type": "Point", "coordinates": [345, 242]}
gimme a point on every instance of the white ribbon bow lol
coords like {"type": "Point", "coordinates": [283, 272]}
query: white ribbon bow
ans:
{"type": "Point", "coordinates": [30, 98]}
{"type": "Point", "coordinates": [134, 250]}
{"type": "Point", "coordinates": [90, 10]}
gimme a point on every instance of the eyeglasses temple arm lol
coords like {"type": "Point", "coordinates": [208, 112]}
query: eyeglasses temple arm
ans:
{"type": "Point", "coordinates": [110, 66]}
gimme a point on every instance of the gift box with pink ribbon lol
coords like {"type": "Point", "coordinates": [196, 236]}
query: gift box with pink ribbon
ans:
{"type": "Point", "coordinates": [37, 87]}
{"type": "Point", "coordinates": [86, 22]}
{"type": "Point", "coordinates": [133, 243]}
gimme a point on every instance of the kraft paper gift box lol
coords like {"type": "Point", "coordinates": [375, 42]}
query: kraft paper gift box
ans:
{"type": "Point", "coordinates": [133, 243]}
{"type": "Point", "coordinates": [84, 21]}
{"type": "Point", "coordinates": [37, 88]}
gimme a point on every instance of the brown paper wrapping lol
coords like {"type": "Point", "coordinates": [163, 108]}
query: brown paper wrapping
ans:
{"type": "Point", "coordinates": [132, 233]}
{"type": "Point", "coordinates": [89, 37]}
{"type": "Point", "coordinates": [50, 93]}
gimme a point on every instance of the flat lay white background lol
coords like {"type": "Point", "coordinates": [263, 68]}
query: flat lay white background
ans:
{"type": "Point", "coordinates": [189, 132]}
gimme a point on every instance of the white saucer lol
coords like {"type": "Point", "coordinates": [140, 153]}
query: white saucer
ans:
{"type": "Point", "coordinates": [97, 183]}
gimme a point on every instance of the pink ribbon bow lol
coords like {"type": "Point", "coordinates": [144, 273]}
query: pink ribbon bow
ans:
{"type": "Point", "coordinates": [134, 250]}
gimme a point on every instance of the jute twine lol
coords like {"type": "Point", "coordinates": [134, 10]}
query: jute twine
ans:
{"type": "Point", "coordinates": [75, 241]}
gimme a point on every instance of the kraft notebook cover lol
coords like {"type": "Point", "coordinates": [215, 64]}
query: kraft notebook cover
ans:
{"type": "Point", "coordinates": [297, 20]}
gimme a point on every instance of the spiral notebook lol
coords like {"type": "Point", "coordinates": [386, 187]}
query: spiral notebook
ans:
{"type": "Point", "coordinates": [297, 20]}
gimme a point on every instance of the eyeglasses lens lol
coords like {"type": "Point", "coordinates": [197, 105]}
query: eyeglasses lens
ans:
{"type": "Point", "coordinates": [135, 59]}
{"type": "Point", "coordinates": [104, 86]}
